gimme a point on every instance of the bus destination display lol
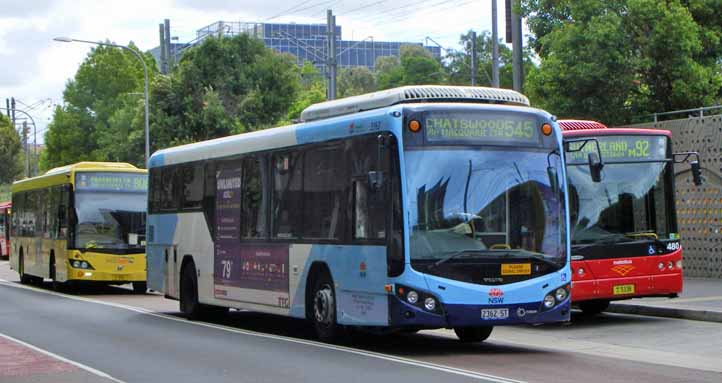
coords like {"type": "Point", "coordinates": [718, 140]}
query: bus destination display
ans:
{"type": "Point", "coordinates": [621, 148]}
{"type": "Point", "coordinates": [111, 181]}
{"type": "Point", "coordinates": [481, 128]}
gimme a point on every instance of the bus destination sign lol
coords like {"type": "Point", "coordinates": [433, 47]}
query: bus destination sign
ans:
{"type": "Point", "coordinates": [482, 128]}
{"type": "Point", "coordinates": [621, 148]}
{"type": "Point", "coordinates": [111, 181]}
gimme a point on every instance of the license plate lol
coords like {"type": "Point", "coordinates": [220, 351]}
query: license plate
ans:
{"type": "Point", "coordinates": [515, 268]}
{"type": "Point", "coordinates": [623, 289]}
{"type": "Point", "coordinates": [488, 314]}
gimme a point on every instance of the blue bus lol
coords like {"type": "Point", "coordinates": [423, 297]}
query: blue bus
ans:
{"type": "Point", "coordinates": [412, 208]}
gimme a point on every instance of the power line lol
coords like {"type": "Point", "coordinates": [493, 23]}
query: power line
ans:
{"type": "Point", "coordinates": [289, 10]}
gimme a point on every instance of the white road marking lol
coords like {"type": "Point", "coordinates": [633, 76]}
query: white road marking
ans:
{"type": "Point", "coordinates": [62, 359]}
{"type": "Point", "coordinates": [371, 354]}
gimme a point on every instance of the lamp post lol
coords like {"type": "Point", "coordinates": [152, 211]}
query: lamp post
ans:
{"type": "Point", "coordinates": [145, 82]}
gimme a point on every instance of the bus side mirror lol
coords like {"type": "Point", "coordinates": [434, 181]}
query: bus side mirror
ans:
{"type": "Point", "coordinates": [696, 173]}
{"type": "Point", "coordinates": [595, 166]}
{"type": "Point", "coordinates": [553, 179]}
{"type": "Point", "coordinates": [376, 180]}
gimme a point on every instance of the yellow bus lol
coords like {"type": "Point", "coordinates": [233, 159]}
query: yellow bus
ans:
{"type": "Point", "coordinates": [81, 224]}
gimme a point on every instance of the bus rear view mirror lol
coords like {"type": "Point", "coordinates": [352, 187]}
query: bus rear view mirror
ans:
{"type": "Point", "coordinates": [553, 179]}
{"type": "Point", "coordinates": [693, 164]}
{"type": "Point", "coordinates": [595, 166]}
{"type": "Point", "coordinates": [696, 173]}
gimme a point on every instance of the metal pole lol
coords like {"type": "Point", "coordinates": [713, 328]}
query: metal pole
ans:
{"type": "Point", "coordinates": [494, 47]}
{"type": "Point", "coordinates": [163, 57]}
{"type": "Point", "coordinates": [32, 120]}
{"type": "Point", "coordinates": [27, 152]}
{"type": "Point", "coordinates": [518, 69]}
{"type": "Point", "coordinates": [473, 58]}
{"type": "Point", "coordinates": [168, 54]}
{"type": "Point", "coordinates": [331, 56]}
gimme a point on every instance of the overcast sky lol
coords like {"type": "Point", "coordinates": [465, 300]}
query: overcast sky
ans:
{"type": "Point", "coordinates": [35, 68]}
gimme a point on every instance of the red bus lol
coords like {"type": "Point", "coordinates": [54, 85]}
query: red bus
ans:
{"type": "Point", "coordinates": [4, 230]}
{"type": "Point", "coordinates": [624, 237]}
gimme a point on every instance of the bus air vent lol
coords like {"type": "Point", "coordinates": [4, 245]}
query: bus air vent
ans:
{"type": "Point", "coordinates": [411, 94]}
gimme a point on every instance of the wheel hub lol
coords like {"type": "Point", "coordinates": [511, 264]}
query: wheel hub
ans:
{"type": "Point", "coordinates": [322, 305]}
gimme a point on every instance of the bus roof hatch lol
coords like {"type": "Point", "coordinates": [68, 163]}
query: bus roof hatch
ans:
{"type": "Point", "coordinates": [412, 94]}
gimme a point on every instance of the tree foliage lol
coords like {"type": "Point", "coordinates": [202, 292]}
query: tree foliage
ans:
{"type": "Point", "coordinates": [612, 60]}
{"type": "Point", "coordinates": [458, 62]}
{"type": "Point", "coordinates": [355, 81]}
{"type": "Point", "coordinates": [85, 127]}
{"type": "Point", "coordinates": [415, 66]}
{"type": "Point", "coordinates": [9, 151]}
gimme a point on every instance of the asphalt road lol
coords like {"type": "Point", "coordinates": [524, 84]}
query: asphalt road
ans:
{"type": "Point", "coordinates": [141, 338]}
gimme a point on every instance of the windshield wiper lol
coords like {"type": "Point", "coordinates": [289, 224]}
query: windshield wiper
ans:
{"type": "Point", "coordinates": [638, 234]}
{"type": "Point", "coordinates": [453, 255]}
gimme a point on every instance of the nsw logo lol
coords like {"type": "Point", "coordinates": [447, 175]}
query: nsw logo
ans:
{"type": "Point", "coordinates": [496, 296]}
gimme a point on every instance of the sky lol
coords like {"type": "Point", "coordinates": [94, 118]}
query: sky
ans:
{"type": "Point", "coordinates": [34, 68]}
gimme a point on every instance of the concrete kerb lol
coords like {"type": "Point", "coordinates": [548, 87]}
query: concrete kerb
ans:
{"type": "Point", "coordinates": [666, 312]}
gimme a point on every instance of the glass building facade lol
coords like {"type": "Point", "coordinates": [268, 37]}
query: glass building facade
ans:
{"type": "Point", "coordinates": [308, 42]}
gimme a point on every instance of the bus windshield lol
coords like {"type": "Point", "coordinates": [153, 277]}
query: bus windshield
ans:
{"type": "Point", "coordinates": [483, 203]}
{"type": "Point", "coordinates": [111, 212]}
{"type": "Point", "coordinates": [633, 201]}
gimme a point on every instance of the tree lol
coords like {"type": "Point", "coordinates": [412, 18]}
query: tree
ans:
{"type": "Point", "coordinates": [612, 60]}
{"type": "Point", "coordinates": [355, 81]}
{"type": "Point", "coordinates": [87, 126]}
{"type": "Point", "coordinates": [415, 66]}
{"type": "Point", "coordinates": [313, 90]}
{"type": "Point", "coordinates": [220, 87]}
{"type": "Point", "coordinates": [9, 151]}
{"type": "Point", "coordinates": [458, 66]}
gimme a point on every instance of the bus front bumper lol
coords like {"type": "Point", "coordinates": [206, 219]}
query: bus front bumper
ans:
{"type": "Point", "coordinates": [105, 277]}
{"type": "Point", "coordinates": [644, 286]}
{"type": "Point", "coordinates": [403, 314]}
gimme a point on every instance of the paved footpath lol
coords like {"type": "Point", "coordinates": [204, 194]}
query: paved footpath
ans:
{"type": "Point", "coordinates": [700, 300]}
{"type": "Point", "coordinates": [20, 362]}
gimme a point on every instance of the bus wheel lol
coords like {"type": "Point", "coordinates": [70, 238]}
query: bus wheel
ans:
{"type": "Point", "coordinates": [24, 278]}
{"type": "Point", "coordinates": [473, 334]}
{"type": "Point", "coordinates": [595, 307]}
{"type": "Point", "coordinates": [140, 287]}
{"type": "Point", "coordinates": [323, 315]}
{"type": "Point", "coordinates": [189, 304]}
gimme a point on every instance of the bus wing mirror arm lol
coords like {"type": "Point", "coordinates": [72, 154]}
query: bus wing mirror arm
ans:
{"type": "Point", "coordinates": [693, 164]}
{"type": "Point", "coordinates": [376, 180]}
{"type": "Point", "coordinates": [594, 158]}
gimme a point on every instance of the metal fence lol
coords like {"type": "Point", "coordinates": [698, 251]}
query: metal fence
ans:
{"type": "Point", "coordinates": [699, 208]}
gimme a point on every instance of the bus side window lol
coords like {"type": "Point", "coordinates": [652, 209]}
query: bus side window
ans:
{"type": "Point", "coordinates": [191, 178]}
{"type": "Point", "coordinates": [155, 191]}
{"type": "Point", "coordinates": [287, 209]}
{"type": "Point", "coordinates": [209, 197]}
{"type": "Point", "coordinates": [254, 203]}
{"type": "Point", "coordinates": [369, 206]}
{"type": "Point", "coordinates": [168, 186]}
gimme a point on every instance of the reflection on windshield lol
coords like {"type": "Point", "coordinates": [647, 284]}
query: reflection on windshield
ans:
{"type": "Point", "coordinates": [484, 203]}
{"type": "Point", "coordinates": [110, 220]}
{"type": "Point", "coordinates": [633, 202]}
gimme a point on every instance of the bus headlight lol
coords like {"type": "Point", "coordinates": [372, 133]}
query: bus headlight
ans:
{"type": "Point", "coordinates": [679, 264]}
{"type": "Point", "coordinates": [561, 294]}
{"type": "Point", "coordinates": [81, 265]}
{"type": "Point", "coordinates": [430, 304]}
{"type": "Point", "coordinates": [670, 265]}
{"type": "Point", "coordinates": [661, 266]}
{"type": "Point", "coordinates": [549, 301]}
{"type": "Point", "coordinates": [412, 297]}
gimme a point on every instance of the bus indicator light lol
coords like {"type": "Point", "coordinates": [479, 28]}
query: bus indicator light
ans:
{"type": "Point", "coordinates": [414, 126]}
{"type": "Point", "coordinates": [546, 129]}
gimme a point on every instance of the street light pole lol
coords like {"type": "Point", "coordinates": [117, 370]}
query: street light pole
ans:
{"type": "Point", "coordinates": [27, 152]}
{"type": "Point", "coordinates": [145, 83]}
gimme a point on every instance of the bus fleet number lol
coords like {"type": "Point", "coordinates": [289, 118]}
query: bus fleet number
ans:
{"type": "Point", "coordinates": [226, 273]}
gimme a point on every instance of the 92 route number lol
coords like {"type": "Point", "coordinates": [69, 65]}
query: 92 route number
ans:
{"type": "Point", "coordinates": [672, 246]}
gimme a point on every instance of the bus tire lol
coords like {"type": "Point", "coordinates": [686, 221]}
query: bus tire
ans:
{"type": "Point", "coordinates": [323, 309]}
{"type": "Point", "coordinates": [591, 308]}
{"type": "Point", "coordinates": [24, 278]}
{"type": "Point", "coordinates": [140, 287]}
{"type": "Point", "coordinates": [473, 334]}
{"type": "Point", "coordinates": [189, 305]}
